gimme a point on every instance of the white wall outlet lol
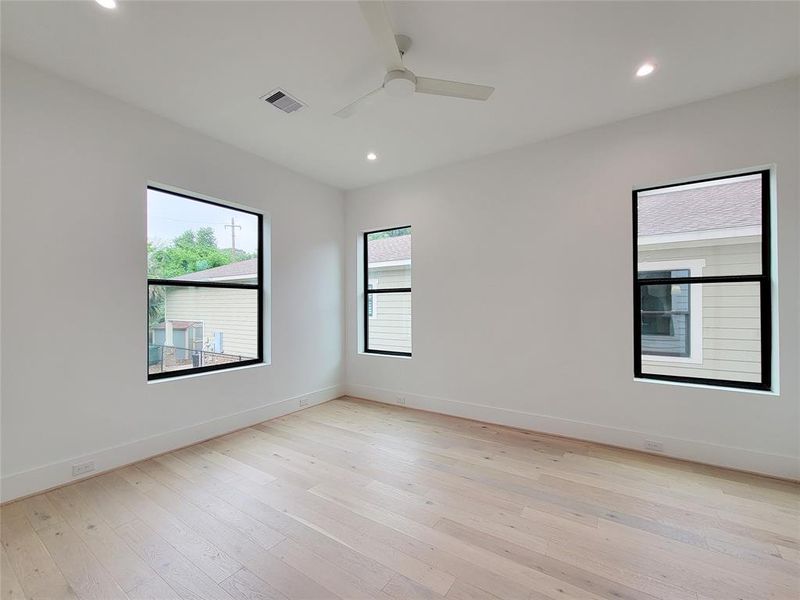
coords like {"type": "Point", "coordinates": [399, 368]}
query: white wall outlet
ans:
{"type": "Point", "coordinates": [81, 468]}
{"type": "Point", "coordinates": [401, 399]}
{"type": "Point", "coordinates": [303, 402]}
{"type": "Point", "coordinates": [653, 446]}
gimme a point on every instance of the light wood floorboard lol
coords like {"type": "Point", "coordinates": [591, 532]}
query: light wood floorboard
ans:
{"type": "Point", "coordinates": [354, 500]}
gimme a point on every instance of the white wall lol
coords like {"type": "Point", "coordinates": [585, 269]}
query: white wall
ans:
{"type": "Point", "coordinates": [518, 255]}
{"type": "Point", "coordinates": [74, 322]}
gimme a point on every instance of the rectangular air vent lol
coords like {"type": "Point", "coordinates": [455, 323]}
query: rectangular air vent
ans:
{"type": "Point", "coordinates": [282, 100]}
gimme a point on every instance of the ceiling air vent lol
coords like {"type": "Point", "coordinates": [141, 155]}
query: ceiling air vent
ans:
{"type": "Point", "coordinates": [282, 100]}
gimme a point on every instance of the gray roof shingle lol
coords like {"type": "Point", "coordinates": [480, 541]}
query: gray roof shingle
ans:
{"type": "Point", "coordinates": [243, 269]}
{"type": "Point", "coordinates": [722, 206]}
{"type": "Point", "coordinates": [389, 249]}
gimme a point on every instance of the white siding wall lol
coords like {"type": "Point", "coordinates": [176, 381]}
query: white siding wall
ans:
{"type": "Point", "coordinates": [730, 312]}
{"type": "Point", "coordinates": [233, 312]}
{"type": "Point", "coordinates": [390, 325]}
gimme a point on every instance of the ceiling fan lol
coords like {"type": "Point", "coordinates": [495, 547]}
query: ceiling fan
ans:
{"type": "Point", "coordinates": [399, 81]}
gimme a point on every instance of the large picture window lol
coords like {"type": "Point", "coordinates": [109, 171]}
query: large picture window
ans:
{"type": "Point", "coordinates": [702, 281]}
{"type": "Point", "coordinates": [387, 291]}
{"type": "Point", "coordinates": [205, 285]}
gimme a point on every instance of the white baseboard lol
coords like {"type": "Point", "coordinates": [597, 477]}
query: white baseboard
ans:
{"type": "Point", "coordinates": [754, 461]}
{"type": "Point", "coordinates": [24, 483]}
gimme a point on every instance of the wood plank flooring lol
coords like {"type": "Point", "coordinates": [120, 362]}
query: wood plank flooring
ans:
{"type": "Point", "coordinates": [357, 500]}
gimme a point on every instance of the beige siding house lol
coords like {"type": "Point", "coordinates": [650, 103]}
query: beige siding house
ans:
{"type": "Point", "coordinates": [220, 321]}
{"type": "Point", "coordinates": [708, 330]}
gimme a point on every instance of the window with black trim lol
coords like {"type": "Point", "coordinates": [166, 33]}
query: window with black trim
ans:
{"type": "Point", "coordinates": [702, 307]}
{"type": "Point", "coordinates": [205, 282]}
{"type": "Point", "coordinates": [387, 291]}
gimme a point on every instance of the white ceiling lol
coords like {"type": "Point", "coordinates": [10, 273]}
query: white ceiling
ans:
{"type": "Point", "coordinates": [558, 67]}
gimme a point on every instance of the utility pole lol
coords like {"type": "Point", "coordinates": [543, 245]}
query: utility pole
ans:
{"type": "Point", "coordinates": [233, 226]}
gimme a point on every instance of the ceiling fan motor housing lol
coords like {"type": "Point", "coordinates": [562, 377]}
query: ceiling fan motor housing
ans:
{"type": "Point", "coordinates": [400, 83]}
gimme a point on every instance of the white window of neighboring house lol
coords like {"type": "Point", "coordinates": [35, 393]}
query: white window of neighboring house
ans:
{"type": "Point", "coordinates": [672, 316]}
{"type": "Point", "coordinates": [371, 302]}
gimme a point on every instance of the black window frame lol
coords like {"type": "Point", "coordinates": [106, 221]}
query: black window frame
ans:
{"type": "Point", "coordinates": [368, 292]}
{"type": "Point", "coordinates": [764, 280]}
{"type": "Point", "coordinates": [259, 287]}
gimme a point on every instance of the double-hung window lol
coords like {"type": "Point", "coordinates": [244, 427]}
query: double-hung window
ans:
{"type": "Point", "coordinates": [702, 281]}
{"type": "Point", "coordinates": [387, 291]}
{"type": "Point", "coordinates": [205, 281]}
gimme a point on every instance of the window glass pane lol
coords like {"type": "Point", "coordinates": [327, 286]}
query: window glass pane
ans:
{"type": "Point", "coordinates": [389, 259]}
{"type": "Point", "coordinates": [715, 225]}
{"type": "Point", "coordinates": [192, 327]}
{"type": "Point", "coordinates": [706, 330]}
{"type": "Point", "coordinates": [390, 324]}
{"type": "Point", "coordinates": [198, 241]}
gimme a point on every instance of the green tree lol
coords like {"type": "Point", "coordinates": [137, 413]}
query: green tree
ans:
{"type": "Point", "coordinates": [205, 237]}
{"type": "Point", "coordinates": [190, 252]}
{"type": "Point", "coordinates": [391, 233]}
{"type": "Point", "coordinates": [155, 304]}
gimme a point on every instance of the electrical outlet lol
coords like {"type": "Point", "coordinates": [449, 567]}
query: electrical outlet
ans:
{"type": "Point", "coordinates": [401, 399]}
{"type": "Point", "coordinates": [82, 468]}
{"type": "Point", "coordinates": [653, 446]}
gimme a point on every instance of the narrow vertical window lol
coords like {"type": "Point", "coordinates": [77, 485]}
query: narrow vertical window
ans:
{"type": "Point", "coordinates": [205, 285]}
{"type": "Point", "coordinates": [387, 291]}
{"type": "Point", "coordinates": [702, 281]}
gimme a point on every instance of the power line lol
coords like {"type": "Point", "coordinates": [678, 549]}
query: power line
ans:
{"type": "Point", "coordinates": [188, 221]}
{"type": "Point", "coordinates": [233, 227]}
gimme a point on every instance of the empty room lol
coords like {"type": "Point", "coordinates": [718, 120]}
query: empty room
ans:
{"type": "Point", "coordinates": [399, 300]}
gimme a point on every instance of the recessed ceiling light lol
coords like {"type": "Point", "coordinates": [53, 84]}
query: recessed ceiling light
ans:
{"type": "Point", "coordinates": [372, 156]}
{"type": "Point", "coordinates": [645, 69]}
{"type": "Point", "coordinates": [107, 3]}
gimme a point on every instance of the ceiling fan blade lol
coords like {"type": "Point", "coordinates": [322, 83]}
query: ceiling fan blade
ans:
{"type": "Point", "coordinates": [441, 87]}
{"type": "Point", "coordinates": [377, 19]}
{"type": "Point", "coordinates": [360, 104]}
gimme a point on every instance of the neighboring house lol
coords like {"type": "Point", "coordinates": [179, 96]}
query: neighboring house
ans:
{"type": "Point", "coordinates": [390, 314]}
{"type": "Point", "coordinates": [701, 330]}
{"type": "Point", "coordinates": [215, 320]}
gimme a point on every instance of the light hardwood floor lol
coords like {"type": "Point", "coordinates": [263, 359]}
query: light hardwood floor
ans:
{"type": "Point", "coordinates": [356, 500]}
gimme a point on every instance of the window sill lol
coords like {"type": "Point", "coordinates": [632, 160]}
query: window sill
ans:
{"type": "Point", "coordinates": [378, 354]}
{"type": "Point", "coordinates": [206, 373]}
{"type": "Point", "coordinates": [705, 386]}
